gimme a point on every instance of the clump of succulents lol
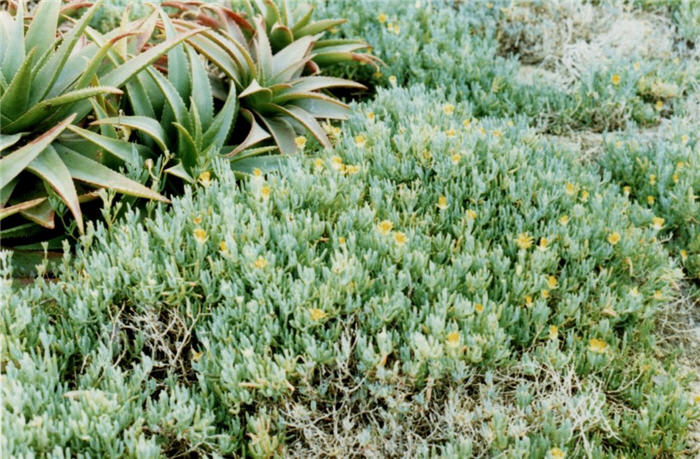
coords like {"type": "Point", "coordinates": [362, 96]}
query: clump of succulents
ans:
{"type": "Point", "coordinates": [47, 82]}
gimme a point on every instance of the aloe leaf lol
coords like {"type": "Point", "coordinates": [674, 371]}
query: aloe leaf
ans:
{"type": "Point", "coordinates": [281, 132]}
{"type": "Point", "coordinates": [97, 59]}
{"type": "Point", "coordinates": [218, 130]}
{"type": "Point", "coordinates": [44, 109]}
{"type": "Point", "coordinates": [14, 101]}
{"type": "Point", "coordinates": [47, 75]}
{"type": "Point", "coordinates": [42, 30]}
{"type": "Point", "coordinates": [256, 134]}
{"type": "Point", "coordinates": [255, 96]}
{"type": "Point", "coordinates": [321, 107]}
{"type": "Point", "coordinates": [126, 71]}
{"type": "Point", "coordinates": [186, 147]}
{"type": "Point", "coordinates": [308, 121]}
{"type": "Point", "coordinates": [50, 168]}
{"type": "Point", "coordinates": [179, 171]}
{"type": "Point", "coordinates": [177, 61]}
{"type": "Point", "coordinates": [304, 20]}
{"type": "Point", "coordinates": [118, 148]}
{"type": "Point", "coordinates": [22, 206]}
{"type": "Point", "coordinates": [14, 163]}
{"type": "Point", "coordinates": [315, 83]}
{"type": "Point", "coordinates": [6, 191]}
{"type": "Point", "coordinates": [201, 89]}
{"type": "Point", "coordinates": [148, 126]}
{"type": "Point", "coordinates": [41, 214]}
{"type": "Point", "coordinates": [15, 54]}
{"type": "Point", "coordinates": [172, 98]}
{"type": "Point", "coordinates": [213, 51]}
{"type": "Point", "coordinates": [280, 36]}
{"type": "Point", "coordinates": [6, 141]}
{"type": "Point", "coordinates": [318, 26]}
{"type": "Point", "coordinates": [263, 52]}
{"type": "Point", "coordinates": [86, 170]}
{"type": "Point", "coordinates": [289, 60]}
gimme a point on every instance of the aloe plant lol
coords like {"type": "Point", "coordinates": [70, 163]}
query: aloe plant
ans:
{"type": "Point", "coordinates": [48, 84]}
{"type": "Point", "coordinates": [272, 88]}
{"type": "Point", "coordinates": [283, 27]}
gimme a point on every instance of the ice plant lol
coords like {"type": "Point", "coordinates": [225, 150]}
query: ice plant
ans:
{"type": "Point", "coordinates": [597, 346]}
{"type": "Point", "coordinates": [385, 226]}
{"type": "Point", "coordinates": [400, 238]}
{"type": "Point", "coordinates": [614, 238]}
{"type": "Point", "coordinates": [524, 241]}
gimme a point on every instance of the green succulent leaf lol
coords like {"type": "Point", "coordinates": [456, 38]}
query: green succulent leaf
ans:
{"type": "Point", "coordinates": [14, 163]}
{"type": "Point", "coordinates": [148, 126]}
{"type": "Point", "coordinates": [50, 168]}
{"type": "Point", "coordinates": [6, 141]}
{"type": "Point", "coordinates": [91, 172]}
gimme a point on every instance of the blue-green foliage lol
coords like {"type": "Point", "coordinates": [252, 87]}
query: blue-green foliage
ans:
{"type": "Point", "coordinates": [191, 331]}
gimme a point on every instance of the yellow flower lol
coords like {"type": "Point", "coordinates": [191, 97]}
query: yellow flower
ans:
{"type": "Point", "coordinates": [337, 162]}
{"type": "Point", "coordinates": [556, 453]}
{"type": "Point", "coordinates": [510, 123]}
{"type": "Point", "coordinates": [223, 247]}
{"type": "Point", "coordinates": [570, 188]}
{"type": "Point", "coordinates": [341, 240]}
{"type": "Point", "coordinates": [564, 220]}
{"type": "Point", "coordinates": [390, 27]}
{"type": "Point", "coordinates": [543, 244]}
{"type": "Point", "coordinates": [370, 116]}
{"type": "Point", "coordinates": [197, 220]}
{"type": "Point", "coordinates": [455, 158]}
{"type": "Point", "coordinates": [385, 226]}
{"type": "Point", "coordinates": [615, 79]}
{"type": "Point", "coordinates": [450, 133]}
{"type": "Point", "coordinates": [652, 179]}
{"type": "Point", "coordinates": [453, 339]}
{"type": "Point", "coordinates": [449, 109]}
{"type": "Point", "coordinates": [659, 105]}
{"type": "Point", "coordinates": [478, 307]}
{"type": "Point", "coordinates": [318, 163]}
{"type": "Point", "coordinates": [497, 133]}
{"type": "Point", "coordinates": [381, 17]}
{"type": "Point", "coordinates": [442, 203]}
{"type": "Point", "coordinates": [675, 178]}
{"type": "Point", "coordinates": [300, 142]}
{"type": "Point", "coordinates": [400, 238]}
{"type": "Point", "coordinates": [265, 192]}
{"type": "Point", "coordinates": [552, 282]}
{"type": "Point", "coordinates": [466, 123]}
{"type": "Point", "coordinates": [684, 139]}
{"type": "Point", "coordinates": [637, 65]}
{"type": "Point", "coordinates": [657, 223]}
{"type": "Point", "coordinates": [336, 131]}
{"type": "Point", "coordinates": [317, 314]}
{"type": "Point", "coordinates": [257, 172]}
{"type": "Point", "coordinates": [482, 131]}
{"type": "Point", "coordinates": [650, 199]}
{"type": "Point", "coordinates": [618, 144]}
{"type": "Point", "coordinates": [260, 262]}
{"type": "Point", "coordinates": [584, 195]}
{"type": "Point", "coordinates": [614, 237]}
{"type": "Point", "coordinates": [524, 241]}
{"type": "Point", "coordinates": [596, 345]}
{"type": "Point", "coordinates": [197, 355]}
{"type": "Point", "coordinates": [553, 332]}
{"type": "Point", "coordinates": [360, 140]}
{"type": "Point", "coordinates": [627, 190]}
{"type": "Point", "coordinates": [684, 255]}
{"type": "Point", "coordinates": [392, 80]}
{"type": "Point", "coordinates": [200, 235]}
{"type": "Point", "coordinates": [658, 295]}
{"type": "Point", "coordinates": [471, 214]}
{"type": "Point", "coordinates": [205, 178]}
{"type": "Point", "coordinates": [352, 169]}
{"type": "Point", "coordinates": [680, 165]}
{"type": "Point", "coordinates": [545, 294]}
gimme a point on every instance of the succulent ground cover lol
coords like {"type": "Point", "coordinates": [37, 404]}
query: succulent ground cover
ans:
{"type": "Point", "coordinates": [482, 262]}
